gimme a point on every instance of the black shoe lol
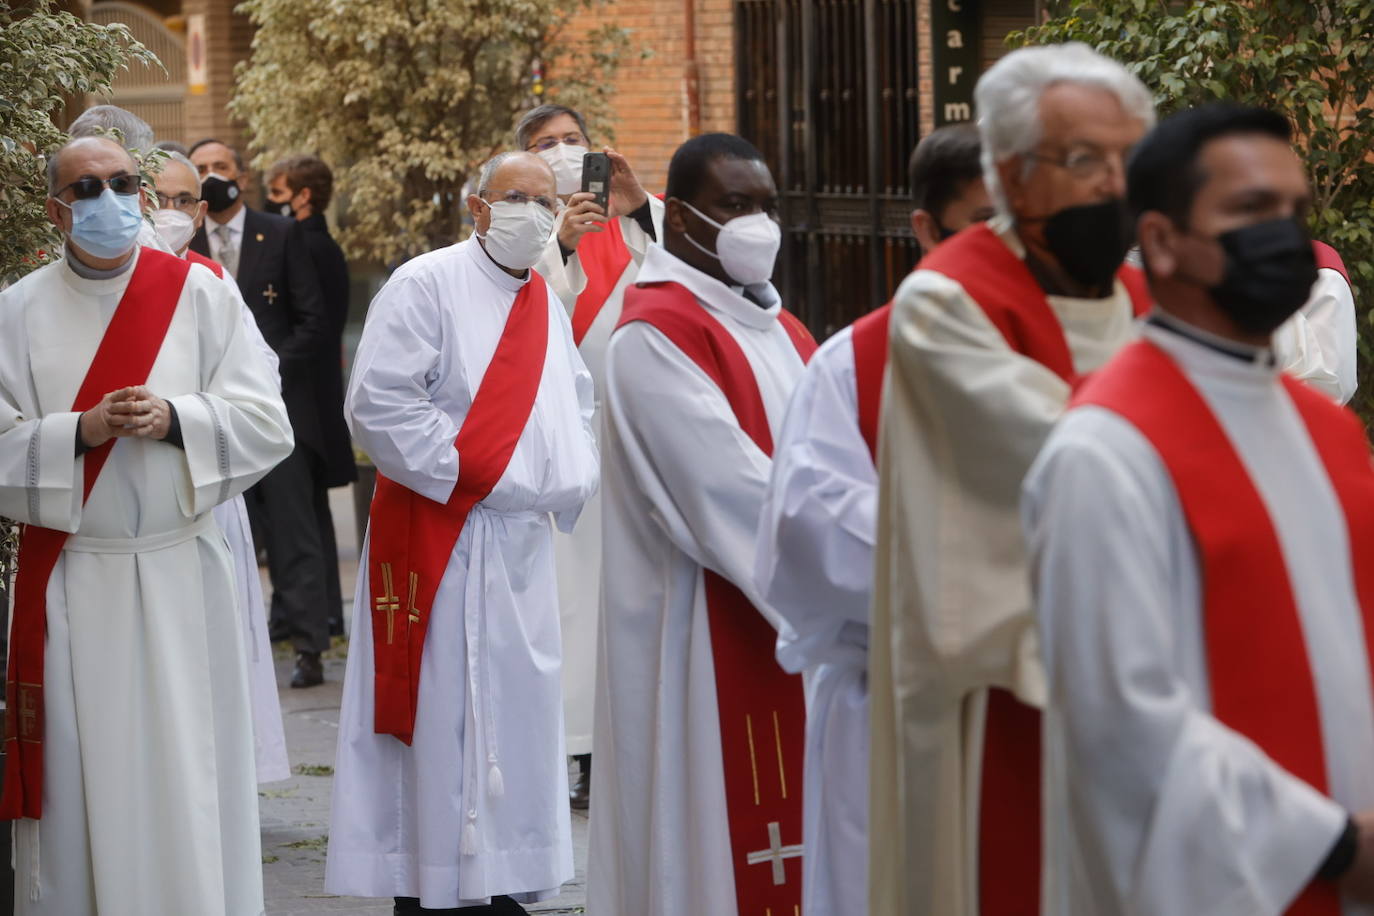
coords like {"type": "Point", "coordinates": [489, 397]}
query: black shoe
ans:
{"type": "Point", "coordinates": [309, 671]}
{"type": "Point", "coordinates": [580, 796]}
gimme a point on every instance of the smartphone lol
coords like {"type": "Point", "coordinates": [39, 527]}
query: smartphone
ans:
{"type": "Point", "coordinates": [596, 178]}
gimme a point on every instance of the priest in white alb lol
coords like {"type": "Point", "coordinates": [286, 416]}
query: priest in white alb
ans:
{"type": "Point", "coordinates": [131, 404]}
{"type": "Point", "coordinates": [180, 212]}
{"type": "Point", "coordinates": [590, 261]}
{"type": "Point", "coordinates": [699, 732]}
{"type": "Point", "coordinates": [816, 534]}
{"type": "Point", "coordinates": [1201, 528]}
{"type": "Point", "coordinates": [988, 338]}
{"type": "Point", "coordinates": [450, 788]}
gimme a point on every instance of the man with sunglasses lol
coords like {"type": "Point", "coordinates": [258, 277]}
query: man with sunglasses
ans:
{"type": "Point", "coordinates": [467, 391]}
{"type": "Point", "coordinates": [131, 404]}
{"type": "Point", "coordinates": [268, 256]}
{"type": "Point", "coordinates": [594, 259]}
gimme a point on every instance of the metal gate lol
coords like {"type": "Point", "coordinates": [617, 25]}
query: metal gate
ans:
{"type": "Point", "coordinates": [155, 96]}
{"type": "Point", "coordinates": [829, 92]}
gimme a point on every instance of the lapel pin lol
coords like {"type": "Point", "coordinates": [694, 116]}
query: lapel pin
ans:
{"type": "Point", "coordinates": [259, 236]}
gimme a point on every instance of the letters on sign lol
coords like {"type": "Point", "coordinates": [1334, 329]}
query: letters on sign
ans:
{"type": "Point", "coordinates": [955, 27]}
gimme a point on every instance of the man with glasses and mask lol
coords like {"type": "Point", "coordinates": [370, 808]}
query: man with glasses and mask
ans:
{"type": "Point", "coordinates": [988, 338]}
{"type": "Point", "coordinates": [450, 789]}
{"type": "Point", "coordinates": [699, 733]}
{"type": "Point", "coordinates": [132, 403]}
{"type": "Point", "coordinates": [817, 530]}
{"type": "Point", "coordinates": [268, 257]}
{"type": "Point", "coordinates": [179, 213]}
{"type": "Point", "coordinates": [1202, 533]}
{"type": "Point", "coordinates": [590, 264]}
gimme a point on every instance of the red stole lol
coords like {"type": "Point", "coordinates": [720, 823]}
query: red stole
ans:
{"type": "Point", "coordinates": [762, 708]}
{"type": "Point", "coordinates": [1013, 300]}
{"type": "Point", "coordinates": [1329, 258]}
{"type": "Point", "coordinates": [604, 257]}
{"type": "Point", "coordinates": [1257, 660]}
{"type": "Point", "coordinates": [411, 538]}
{"type": "Point", "coordinates": [124, 359]}
{"type": "Point", "coordinates": [195, 257]}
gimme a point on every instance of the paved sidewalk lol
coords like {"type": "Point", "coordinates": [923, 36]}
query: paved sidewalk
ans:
{"type": "Point", "coordinates": [295, 812]}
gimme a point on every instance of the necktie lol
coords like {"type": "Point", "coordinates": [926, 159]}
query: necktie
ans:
{"type": "Point", "coordinates": [228, 254]}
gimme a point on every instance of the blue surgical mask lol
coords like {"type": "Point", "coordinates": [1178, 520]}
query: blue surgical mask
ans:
{"type": "Point", "coordinates": [105, 226]}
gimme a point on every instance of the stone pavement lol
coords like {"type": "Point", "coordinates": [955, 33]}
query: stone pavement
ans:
{"type": "Point", "coordinates": [295, 812]}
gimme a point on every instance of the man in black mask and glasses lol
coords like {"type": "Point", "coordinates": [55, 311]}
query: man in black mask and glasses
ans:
{"type": "Point", "coordinates": [1202, 532]}
{"type": "Point", "coordinates": [267, 255]}
{"type": "Point", "coordinates": [988, 338]}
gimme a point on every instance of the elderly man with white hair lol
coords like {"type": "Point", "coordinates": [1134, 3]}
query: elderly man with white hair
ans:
{"type": "Point", "coordinates": [987, 340]}
{"type": "Point", "coordinates": [451, 788]}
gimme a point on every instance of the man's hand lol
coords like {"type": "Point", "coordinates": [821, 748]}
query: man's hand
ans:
{"type": "Point", "coordinates": [582, 215]}
{"type": "Point", "coordinates": [126, 413]}
{"type": "Point", "coordinates": [1358, 882]}
{"type": "Point", "coordinates": [627, 194]}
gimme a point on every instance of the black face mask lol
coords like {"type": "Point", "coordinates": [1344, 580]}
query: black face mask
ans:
{"type": "Point", "coordinates": [1091, 241]}
{"type": "Point", "coordinates": [284, 208]}
{"type": "Point", "coordinates": [219, 193]}
{"type": "Point", "coordinates": [1270, 269]}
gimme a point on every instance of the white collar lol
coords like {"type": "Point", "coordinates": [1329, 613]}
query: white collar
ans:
{"type": "Point", "coordinates": [478, 257]}
{"type": "Point", "coordinates": [235, 224]}
{"type": "Point", "coordinates": [659, 267]}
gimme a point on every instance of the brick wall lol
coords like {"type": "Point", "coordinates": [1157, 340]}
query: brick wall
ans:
{"type": "Point", "coordinates": [649, 111]}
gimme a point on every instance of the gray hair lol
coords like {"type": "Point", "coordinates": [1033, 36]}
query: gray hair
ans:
{"type": "Point", "coordinates": [1008, 100]}
{"type": "Point", "coordinates": [536, 118]}
{"type": "Point", "coordinates": [54, 160]}
{"type": "Point", "coordinates": [101, 120]}
{"type": "Point", "coordinates": [172, 156]}
{"type": "Point", "coordinates": [489, 168]}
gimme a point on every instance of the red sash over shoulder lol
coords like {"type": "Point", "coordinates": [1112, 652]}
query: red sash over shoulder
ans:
{"type": "Point", "coordinates": [125, 358]}
{"type": "Point", "coordinates": [195, 257]}
{"type": "Point", "coordinates": [604, 257]}
{"type": "Point", "coordinates": [1257, 659]}
{"type": "Point", "coordinates": [1329, 258]}
{"type": "Point", "coordinates": [1009, 800]}
{"type": "Point", "coordinates": [762, 708]}
{"type": "Point", "coordinates": [411, 538]}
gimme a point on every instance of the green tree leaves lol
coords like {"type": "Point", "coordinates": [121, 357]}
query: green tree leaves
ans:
{"type": "Point", "coordinates": [406, 98]}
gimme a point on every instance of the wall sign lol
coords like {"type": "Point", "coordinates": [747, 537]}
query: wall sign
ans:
{"type": "Point", "coordinates": [955, 36]}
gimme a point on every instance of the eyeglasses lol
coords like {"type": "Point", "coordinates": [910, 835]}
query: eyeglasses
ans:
{"type": "Point", "coordinates": [88, 186]}
{"type": "Point", "coordinates": [1084, 163]}
{"type": "Point", "coordinates": [575, 139]}
{"type": "Point", "coordinates": [182, 201]}
{"type": "Point", "coordinates": [520, 197]}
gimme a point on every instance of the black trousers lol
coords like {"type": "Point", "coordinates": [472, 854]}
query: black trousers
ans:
{"type": "Point", "coordinates": [499, 906]}
{"type": "Point", "coordinates": [284, 505]}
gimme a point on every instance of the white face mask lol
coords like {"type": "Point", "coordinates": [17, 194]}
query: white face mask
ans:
{"type": "Point", "coordinates": [518, 233]}
{"type": "Point", "coordinates": [175, 228]}
{"type": "Point", "coordinates": [747, 246]}
{"type": "Point", "coordinates": [566, 162]}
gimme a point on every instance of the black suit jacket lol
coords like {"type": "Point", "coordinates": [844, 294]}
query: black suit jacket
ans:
{"type": "Point", "coordinates": [332, 269]}
{"type": "Point", "coordinates": [278, 280]}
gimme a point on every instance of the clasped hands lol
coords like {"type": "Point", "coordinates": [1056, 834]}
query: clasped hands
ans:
{"type": "Point", "coordinates": [127, 413]}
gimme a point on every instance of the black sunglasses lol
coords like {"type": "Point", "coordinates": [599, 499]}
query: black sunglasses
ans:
{"type": "Point", "coordinates": [89, 186]}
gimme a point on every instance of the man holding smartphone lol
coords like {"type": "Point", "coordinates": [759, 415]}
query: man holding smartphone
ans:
{"type": "Point", "coordinates": [601, 236]}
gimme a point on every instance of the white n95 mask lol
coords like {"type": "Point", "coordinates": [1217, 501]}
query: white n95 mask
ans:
{"type": "Point", "coordinates": [174, 228]}
{"type": "Point", "coordinates": [518, 233]}
{"type": "Point", "coordinates": [566, 162]}
{"type": "Point", "coordinates": [746, 247]}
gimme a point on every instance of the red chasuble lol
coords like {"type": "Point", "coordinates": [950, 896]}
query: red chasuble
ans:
{"type": "Point", "coordinates": [411, 538]}
{"type": "Point", "coordinates": [124, 359]}
{"type": "Point", "coordinates": [762, 708]}
{"type": "Point", "coordinates": [1009, 798]}
{"type": "Point", "coordinates": [1257, 661]}
{"type": "Point", "coordinates": [196, 257]}
{"type": "Point", "coordinates": [604, 257]}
